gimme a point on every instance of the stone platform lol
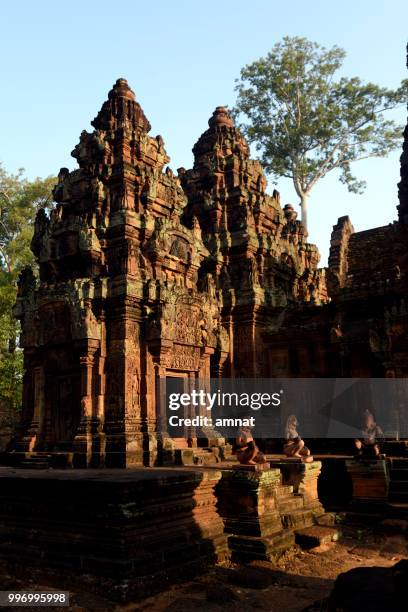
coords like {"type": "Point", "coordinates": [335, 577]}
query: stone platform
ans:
{"type": "Point", "coordinates": [264, 509]}
{"type": "Point", "coordinates": [132, 532]}
{"type": "Point", "coordinates": [128, 532]}
{"type": "Point", "coordinates": [365, 486]}
{"type": "Point", "coordinates": [370, 478]}
{"type": "Point", "coordinates": [380, 486]}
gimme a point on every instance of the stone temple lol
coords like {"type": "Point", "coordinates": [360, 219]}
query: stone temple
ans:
{"type": "Point", "coordinates": [147, 277]}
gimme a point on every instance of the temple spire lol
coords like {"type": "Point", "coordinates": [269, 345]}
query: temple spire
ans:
{"type": "Point", "coordinates": [220, 117]}
{"type": "Point", "coordinates": [121, 110]}
{"type": "Point", "coordinates": [121, 89]}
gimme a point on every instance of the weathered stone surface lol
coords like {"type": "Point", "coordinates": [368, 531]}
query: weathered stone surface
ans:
{"type": "Point", "coordinates": [316, 536]}
{"type": "Point", "coordinates": [262, 511]}
{"type": "Point", "coordinates": [131, 532]}
{"type": "Point", "coordinates": [303, 507]}
{"type": "Point", "coordinates": [145, 275]}
{"type": "Point", "coordinates": [247, 504]}
{"type": "Point", "coordinates": [370, 479]}
{"type": "Point", "coordinates": [257, 467]}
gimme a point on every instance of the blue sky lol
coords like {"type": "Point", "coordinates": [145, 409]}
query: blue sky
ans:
{"type": "Point", "coordinates": [59, 60]}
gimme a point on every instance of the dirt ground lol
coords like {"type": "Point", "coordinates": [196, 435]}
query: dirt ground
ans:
{"type": "Point", "coordinates": [292, 583]}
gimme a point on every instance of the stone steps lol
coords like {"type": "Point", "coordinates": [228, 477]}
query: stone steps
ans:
{"type": "Point", "coordinates": [266, 547]}
{"type": "Point", "coordinates": [284, 491]}
{"type": "Point", "coordinates": [315, 536]}
{"type": "Point", "coordinates": [204, 457]}
{"type": "Point", "coordinates": [37, 461]}
{"type": "Point", "coordinates": [56, 459]}
{"type": "Point", "coordinates": [290, 504]}
{"type": "Point", "coordinates": [298, 519]}
{"type": "Point", "coordinates": [196, 456]}
{"type": "Point", "coordinates": [30, 465]}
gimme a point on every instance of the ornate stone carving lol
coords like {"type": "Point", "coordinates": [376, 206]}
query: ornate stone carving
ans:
{"type": "Point", "coordinates": [143, 272]}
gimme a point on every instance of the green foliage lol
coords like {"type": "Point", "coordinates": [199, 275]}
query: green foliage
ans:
{"type": "Point", "coordinates": [20, 200]}
{"type": "Point", "coordinates": [11, 381]}
{"type": "Point", "coordinates": [305, 123]}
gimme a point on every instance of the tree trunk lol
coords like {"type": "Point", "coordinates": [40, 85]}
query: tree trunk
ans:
{"type": "Point", "coordinates": [12, 344]}
{"type": "Point", "coordinates": [303, 208]}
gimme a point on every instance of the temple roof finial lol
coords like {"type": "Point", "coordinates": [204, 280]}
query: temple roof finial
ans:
{"type": "Point", "coordinates": [121, 89]}
{"type": "Point", "coordinates": [220, 117]}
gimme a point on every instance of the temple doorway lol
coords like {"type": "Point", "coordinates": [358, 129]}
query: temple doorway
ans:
{"type": "Point", "coordinates": [64, 402]}
{"type": "Point", "coordinates": [177, 384]}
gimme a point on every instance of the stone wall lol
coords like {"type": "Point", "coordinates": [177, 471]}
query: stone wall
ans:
{"type": "Point", "coordinates": [128, 534]}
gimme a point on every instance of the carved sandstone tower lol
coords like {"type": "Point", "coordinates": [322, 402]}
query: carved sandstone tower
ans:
{"type": "Point", "coordinates": [151, 282]}
{"type": "Point", "coordinates": [116, 310]}
{"type": "Point", "coordinates": [259, 254]}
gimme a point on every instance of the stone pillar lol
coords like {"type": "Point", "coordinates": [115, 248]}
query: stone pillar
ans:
{"type": "Point", "coordinates": [217, 370]}
{"type": "Point", "coordinates": [30, 438]}
{"type": "Point", "coordinates": [247, 504]}
{"type": "Point", "coordinates": [192, 431]}
{"type": "Point", "coordinates": [82, 444]}
{"type": "Point", "coordinates": [132, 408]}
{"type": "Point", "coordinates": [308, 484]}
{"type": "Point", "coordinates": [211, 437]}
{"type": "Point", "coordinates": [302, 479]}
{"type": "Point", "coordinates": [123, 411]}
{"type": "Point", "coordinates": [370, 480]}
{"type": "Point", "coordinates": [166, 445]}
{"type": "Point", "coordinates": [150, 424]}
{"type": "Point", "coordinates": [206, 517]}
{"type": "Point", "coordinates": [98, 418]}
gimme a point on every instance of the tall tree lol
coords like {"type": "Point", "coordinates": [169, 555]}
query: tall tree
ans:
{"type": "Point", "coordinates": [20, 200]}
{"type": "Point", "coordinates": [307, 124]}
